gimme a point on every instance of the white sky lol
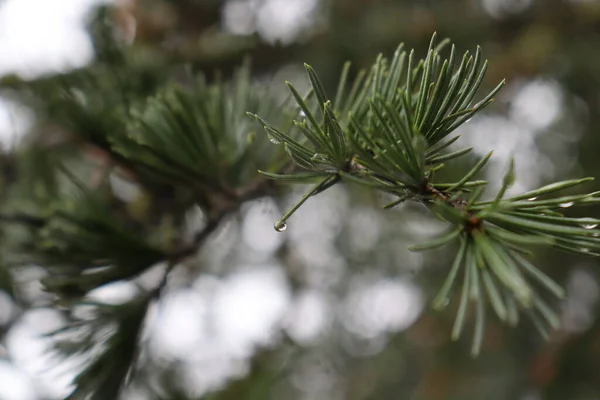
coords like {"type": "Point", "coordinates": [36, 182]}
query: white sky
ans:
{"type": "Point", "coordinates": [36, 37]}
{"type": "Point", "coordinates": [39, 36]}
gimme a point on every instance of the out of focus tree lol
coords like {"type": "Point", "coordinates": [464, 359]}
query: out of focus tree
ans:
{"type": "Point", "coordinates": [96, 183]}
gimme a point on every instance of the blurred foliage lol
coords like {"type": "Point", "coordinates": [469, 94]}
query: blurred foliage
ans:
{"type": "Point", "coordinates": [171, 41]}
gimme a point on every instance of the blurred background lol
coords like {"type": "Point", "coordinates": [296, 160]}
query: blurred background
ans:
{"type": "Point", "coordinates": [335, 307]}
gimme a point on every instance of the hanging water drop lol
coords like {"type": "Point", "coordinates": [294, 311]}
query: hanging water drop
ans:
{"type": "Point", "coordinates": [280, 226]}
{"type": "Point", "coordinates": [274, 140]}
{"type": "Point", "coordinates": [566, 205]}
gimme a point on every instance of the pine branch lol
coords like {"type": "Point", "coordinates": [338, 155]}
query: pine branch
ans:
{"type": "Point", "coordinates": [112, 341]}
{"type": "Point", "coordinates": [194, 139]}
{"type": "Point", "coordinates": [389, 130]}
{"type": "Point", "coordinates": [390, 133]}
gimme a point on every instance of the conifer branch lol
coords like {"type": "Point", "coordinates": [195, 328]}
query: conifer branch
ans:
{"type": "Point", "coordinates": [389, 130]}
{"type": "Point", "coordinates": [195, 141]}
{"type": "Point", "coordinates": [391, 134]}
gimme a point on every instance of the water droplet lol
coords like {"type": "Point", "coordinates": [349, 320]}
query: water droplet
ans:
{"type": "Point", "coordinates": [588, 223]}
{"type": "Point", "coordinates": [280, 226]}
{"type": "Point", "coordinates": [274, 140]}
{"type": "Point", "coordinates": [319, 156]}
{"type": "Point", "coordinates": [532, 198]}
{"type": "Point", "coordinates": [566, 205]}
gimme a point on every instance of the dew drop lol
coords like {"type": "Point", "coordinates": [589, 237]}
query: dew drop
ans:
{"type": "Point", "coordinates": [589, 226]}
{"type": "Point", "coordinates": [280, 226]}
{"type": "Point", "coordinates": [532, 198]}
{"type": "Point", "coordinates": [274, 140]}
{"type": "Point", "coordinates": [588, 223]}
{"type": "Point", "coordinates": [566, 205]}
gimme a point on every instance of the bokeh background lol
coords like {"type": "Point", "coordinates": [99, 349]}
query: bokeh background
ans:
{"type": "Point", "coordinates": [335, 307]}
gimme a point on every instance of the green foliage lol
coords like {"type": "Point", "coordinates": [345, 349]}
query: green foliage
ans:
{"type": "Point", "coordinates": [84, 246]}
{"type": "Point", "coordinates": [191, 139]}
{"type": "Point", "coordinates": [178, 135]}
{"type": "Point", "coordinates": [390, 130]}
{"type": "Point", "coordinates": [392, 133]}
{"type": "Point", "coordinates": [111, 336]}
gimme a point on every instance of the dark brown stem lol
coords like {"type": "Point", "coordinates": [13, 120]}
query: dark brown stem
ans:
{"type": "Point", "coordinates": [179, 255]}
{"type": "Point", "coordinates": [220, 209]}
{"type": "Point", "coordinates": [428, 192]}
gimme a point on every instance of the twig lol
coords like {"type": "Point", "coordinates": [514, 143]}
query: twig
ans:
{"type": "Point", "coordinates": [199, 238]}
{"type": "Point", "coordinates": [257, 188]}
